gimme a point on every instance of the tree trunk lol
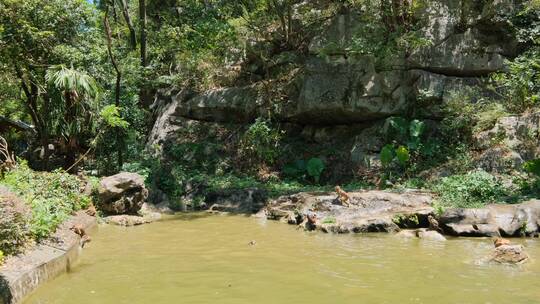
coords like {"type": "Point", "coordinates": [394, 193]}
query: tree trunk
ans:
{"type": "Point", "coordinates": [142, 24]}
{"type": "Point", "coordinates": [132, 34]}
{"type": "Point", "coordinates": [117, 87]}
{"type": "Point", "coordinates": [143, 91]}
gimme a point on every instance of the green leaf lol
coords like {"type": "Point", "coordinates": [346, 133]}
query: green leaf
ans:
{"type": "Point", "coordinates": [111, 115]}
{"type": "Point", "coordinates": [416, 128]}
{"type": "Point", "coordinates": [387, 155]}
{"type": "Point", "coordinates": [402, 155]}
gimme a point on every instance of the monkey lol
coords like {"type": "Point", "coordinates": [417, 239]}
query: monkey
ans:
{"type": "Point", "coordinates": [79, 230]}
{"type": "Point", "coordinates": [434, 224]}
{"type": "Point", "coordinates": [311, 218]}
{"type": "Point", "coordinates": [91, 210]}
{"type": "Point", "coordinates": [500, 241]}
{"type": "Point", "coordinates": [4, 168]}
{"type": "Point", "coordinates": [343, 197]}
{"type": "Point", "coordinates": [309, 222]}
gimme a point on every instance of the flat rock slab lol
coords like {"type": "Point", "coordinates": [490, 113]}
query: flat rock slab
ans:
{"type": "Point", "coordinates": [130, 220]}
{"type": "Point", "coordinates": [421, 233]}
{"type": "Point", "coordinates": [493, 220]}
{"type": "Point", "coordinates": [369, 211]}
{"type": "Point", "coordinates": [22, 274]}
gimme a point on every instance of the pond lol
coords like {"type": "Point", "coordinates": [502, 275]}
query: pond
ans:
{"type": "Point", "coordinates": [202, 258]}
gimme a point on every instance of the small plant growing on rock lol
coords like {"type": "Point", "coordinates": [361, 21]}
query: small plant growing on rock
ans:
{"type": "Point", "coordinates": [329, 220]}
{"type": "Point", "coordinates": [406, 221]}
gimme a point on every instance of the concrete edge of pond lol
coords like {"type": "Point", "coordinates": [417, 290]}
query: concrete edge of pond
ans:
{"type": "Point", "coordinates": [22, 274]}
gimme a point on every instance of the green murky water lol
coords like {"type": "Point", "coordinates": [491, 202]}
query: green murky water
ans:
{"type": "Point", "coordinates": [207, 259]}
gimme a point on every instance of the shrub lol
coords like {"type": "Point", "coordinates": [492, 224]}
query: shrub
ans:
{"type": "Point", "coordinates": [471, 190]}
{"type": "Point", "coordinates": [14, 223]}
{"type": "Point", "coordinates": [1, 258]}
{"type": "Point", "coordinates": [533, 167]}
{"type": "Point", "coordinates": [315, 167]}
{"type": "Point", "coordinates": [261, 141]}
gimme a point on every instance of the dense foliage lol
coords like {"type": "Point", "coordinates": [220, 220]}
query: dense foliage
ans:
{"type": "Point", "coordinates": [82, 76]}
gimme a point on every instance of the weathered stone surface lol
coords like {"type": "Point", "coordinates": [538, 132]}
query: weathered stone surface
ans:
{"type": "Point", "coordinates": [122, 193]}
{"type": "Point", "coordinates": [468, 38]}
{"type": "Point", "coordinates": [406, 234]}
{"type": "Point", "coordinates": [237, 201]}
{"type": "Point", "coordinates": [493, 220]}
{"type": "Point", "coordinates": [512, 141]}
{"type": "Point", "coordinates": [430, 235]}
{"type": "Point", "coordinates": [509, 254]}
{"type": "Point", "coordinates": [165, 124]}
{"type": "Point", "coordinates": [370, 211]}
{"type": "Point", "coordinates": [236, 104]}
{"type": "Point", "coordinates": [126, 220]}
{"type": "Point", "coordinates": [151, 209]}
{"type": "Point", "coordinates": [421, 233]}
{"type": "Point", "coordinates": [348, 91]}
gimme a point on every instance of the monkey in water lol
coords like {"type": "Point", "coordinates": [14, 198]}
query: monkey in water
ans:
{"type": "Point", "coordinates": [343, 197]}
{"type": "Point", "coordinates": [500, 241]}
{"type": "Point", "coordinates": [309, 222]}
{"type": "Point", "coordinates": [79, 230]}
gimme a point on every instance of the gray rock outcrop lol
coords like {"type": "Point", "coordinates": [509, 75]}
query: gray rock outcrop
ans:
{"type": "Point", "coordinates": [465, 41]}
{"type": "Point", "coordinates": [512, 141]}
{"type": "Point", "coordinates": [123, 193]}
{"type": "Point", "coordinates": [493, 220]}
{"type": "Point", "coordinates": [370, 211]}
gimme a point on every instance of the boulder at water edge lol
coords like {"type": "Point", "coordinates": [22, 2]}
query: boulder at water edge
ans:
{"type": "Point", "coordinates": [509, 254]}
{"type": "Point", "coordinates": [123, 193]}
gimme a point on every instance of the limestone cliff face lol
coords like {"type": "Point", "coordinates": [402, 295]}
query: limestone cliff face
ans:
{"type": "Point", "coordinates": [468, 41]}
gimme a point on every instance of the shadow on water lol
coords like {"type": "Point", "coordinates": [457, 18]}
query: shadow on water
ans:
{"type": "Point", "coordinates": [199, 215]}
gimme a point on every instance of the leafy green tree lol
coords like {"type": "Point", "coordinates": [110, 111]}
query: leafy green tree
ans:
{"type": "Point", "coordinates": [33, 37]}
{"type": "Point", "coordinates": [73, 101]}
